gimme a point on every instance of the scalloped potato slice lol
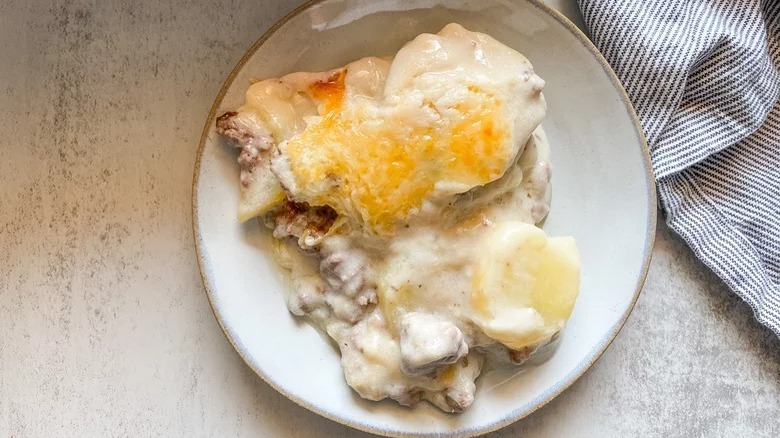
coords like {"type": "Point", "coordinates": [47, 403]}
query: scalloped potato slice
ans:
{"type": "Point", "coordinates": [524, 284]}
{"type": "Point", "coordinates": [261, 194]}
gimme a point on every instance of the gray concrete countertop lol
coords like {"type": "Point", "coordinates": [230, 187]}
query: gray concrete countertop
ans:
{"type": "Point", "coordinates": [105, 329]}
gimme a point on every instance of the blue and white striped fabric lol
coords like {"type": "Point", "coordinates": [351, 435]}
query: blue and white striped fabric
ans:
{"type": "Point", "coordinates": [704, 77]}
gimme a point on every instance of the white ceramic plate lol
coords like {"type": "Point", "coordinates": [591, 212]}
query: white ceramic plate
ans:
{"type": "Point", "coordinates": [603, 194]}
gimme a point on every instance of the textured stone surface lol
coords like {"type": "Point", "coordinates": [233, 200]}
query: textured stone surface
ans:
{"type": "Point", "coordinates": [104, 326]}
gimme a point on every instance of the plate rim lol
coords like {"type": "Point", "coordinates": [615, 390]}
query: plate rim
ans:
{"type": "Point", "coordinates": [552, 391]}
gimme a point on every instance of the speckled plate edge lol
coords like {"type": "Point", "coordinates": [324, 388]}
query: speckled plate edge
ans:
{"type": "Point", "coordinates": [553, 391]}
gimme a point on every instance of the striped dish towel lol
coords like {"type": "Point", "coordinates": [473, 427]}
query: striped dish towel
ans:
{"type": "Point", "coordinates": [704, 78]}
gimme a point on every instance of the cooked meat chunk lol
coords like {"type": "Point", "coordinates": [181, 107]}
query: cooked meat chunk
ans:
{"type": "Point", "coordinates": [348, 309]}
{"type": "Point", "coordinates": [428, 342]}
{"type": "Point", "coordinates": [243, 130]}
{"type": "Point", "coordinates": [459, 393]}
{"type": "Point", "coordinates": [345, 271]}
{"type": "Point", "coordinates": [308, 224]}
{"type": "Point", "coordinates": [348, 275]}
{"type": "Point", "coordinates": [247, 134]}
{"type": "Point", "coordinates": [309, 297]}
{"type": "Point", "coordinates": [458, 398]}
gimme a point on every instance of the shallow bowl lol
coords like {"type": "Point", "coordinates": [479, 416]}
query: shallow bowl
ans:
{"type": "Point", "coordinates": [603, 195]}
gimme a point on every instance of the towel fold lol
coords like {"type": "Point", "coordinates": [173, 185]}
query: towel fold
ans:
{"type": "Point", "coordinates": [704, 78]}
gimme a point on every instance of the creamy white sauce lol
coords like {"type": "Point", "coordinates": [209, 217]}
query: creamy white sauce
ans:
{"type": "Point", "coordinates": [407, 353]}
{"type": "Point", "coordinates": [401, 302]}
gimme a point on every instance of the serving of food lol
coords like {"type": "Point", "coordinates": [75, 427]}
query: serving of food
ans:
{"type": "Point", "coordinates": [398, 238]}
{"type": "Point", "coordinates": [404, 195]}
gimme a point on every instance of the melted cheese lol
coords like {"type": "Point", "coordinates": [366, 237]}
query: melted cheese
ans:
{"type": "Point", "coordinates": [456, 108]}
{"type": "Point", "coordinates": [436, 161]}
{"type": "Point", "coordinates": [380, 169]}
